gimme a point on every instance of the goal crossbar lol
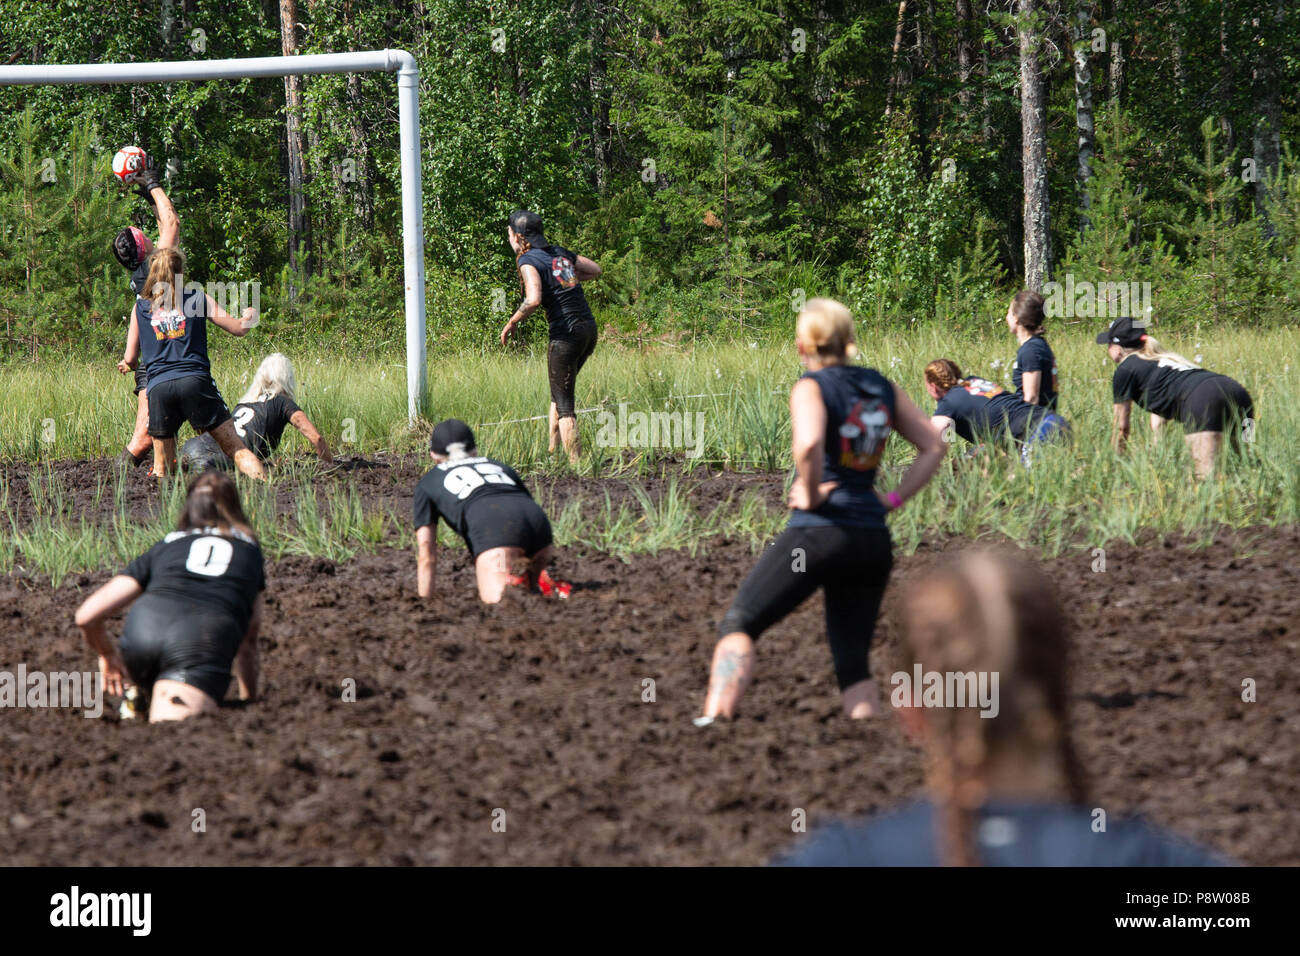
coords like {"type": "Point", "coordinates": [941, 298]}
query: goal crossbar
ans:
{"type": "Point", "coordinates": [408, 102]}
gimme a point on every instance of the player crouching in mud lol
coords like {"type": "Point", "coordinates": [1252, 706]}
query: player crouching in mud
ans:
{"type": "Point", "coordinates": [486, 503]}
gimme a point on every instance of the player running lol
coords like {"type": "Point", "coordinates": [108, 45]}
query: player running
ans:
{"type": "Point", "coordinates": [132, 248]}
{"type": "Point", "coordinates": [552, 277]}
{"type": "Point", "coordinates": [486, 503]}
{"type": "Point", "coordinates": [196, 608]}
{"type": "Point", "coordinates": [982, 411]}
{"type": "Point", "coordinates": [841, 416]}
{"type": "Point", "coordinates": [260, 419]}
{"type": "Point", "coordinates": [1004, 784]}
{"type": "Point", "coordinates": [1170, 387]}
{"type": "Point", "coordinates": [172, 338]}
{"type": "Point", "coordinates": [1034, 371]}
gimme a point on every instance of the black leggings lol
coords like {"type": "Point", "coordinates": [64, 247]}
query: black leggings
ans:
{"type": "Point", "coordinates": [850, 565]}
{"type": "Point", "coordinates": [565, 356]}
{"type": "Point", "coordinates": [166, 640]}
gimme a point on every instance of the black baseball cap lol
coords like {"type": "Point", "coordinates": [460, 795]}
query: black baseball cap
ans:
{"type": "Point", "coordinates": [529, 225]}
{"type": "Point", "coordinates": [1125, 332]}
{"type": "Point", "coordinates": [450, 432]}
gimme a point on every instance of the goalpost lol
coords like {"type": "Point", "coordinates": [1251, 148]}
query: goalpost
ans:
{"type": "Point", "coordinates": [408, 103]}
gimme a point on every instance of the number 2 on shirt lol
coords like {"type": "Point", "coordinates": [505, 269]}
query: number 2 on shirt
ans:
{"type": "Point", "coordinates": [463, 481]}
{"type": "Point", "coordinates": [242, 417]}
{"type": "Point", "coordinates": [209, 556]}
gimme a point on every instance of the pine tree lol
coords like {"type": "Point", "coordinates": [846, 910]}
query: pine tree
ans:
{"type": "Point", "coordinates": [1226, 253]}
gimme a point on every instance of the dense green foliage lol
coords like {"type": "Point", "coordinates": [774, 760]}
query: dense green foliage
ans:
{"type": "Point", "coordinates": [720, 158]}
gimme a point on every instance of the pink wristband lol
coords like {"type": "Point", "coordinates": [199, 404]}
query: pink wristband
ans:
{"type": "Point", "coordinates": [895, 502]}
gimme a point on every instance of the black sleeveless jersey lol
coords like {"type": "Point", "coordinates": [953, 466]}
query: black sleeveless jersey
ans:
{"type": "Point", "coordinates": [208, 568]}
{"type": "Point", "coordinates": [174, 344]}
{"type": "Point", "coordinates": [859, 420]}
{"type": "Point", "coordinates": [451, 491]}
{"type": "Point", "coordinates": [562, 296]}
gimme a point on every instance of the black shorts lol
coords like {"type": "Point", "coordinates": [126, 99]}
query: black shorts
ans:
{"type": "Point", "coordinates": [507, 521]}
{"type": "Point", "coordinates": [170, 640]}
{"type": "Point", "coordinates": [850, 565]}
{"type": "Point", "coordinates": [140, 379]}
{"type": "Point", "coordinates": [1217, 404]}
{"type": "Point", "coordinates": [192, 399]}
{"type": "Point", "coordinates": [202, 452]}
{"type": "Point", "coordinates": [565, 356]}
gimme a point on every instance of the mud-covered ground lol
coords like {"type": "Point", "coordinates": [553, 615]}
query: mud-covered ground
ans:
{"type": "Point", "coordinates": [535, 709]}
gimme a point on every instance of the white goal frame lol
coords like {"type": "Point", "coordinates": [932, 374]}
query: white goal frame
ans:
{"type": "Point", "coordinates": [408, 102]}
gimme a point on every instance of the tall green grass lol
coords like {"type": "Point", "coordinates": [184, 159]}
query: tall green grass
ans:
{"type": "Point", "coordinates": [1074, 495]}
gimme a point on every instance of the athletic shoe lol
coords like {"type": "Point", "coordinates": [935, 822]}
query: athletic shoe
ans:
{"type": "Point", "coordinates": [548, 586]}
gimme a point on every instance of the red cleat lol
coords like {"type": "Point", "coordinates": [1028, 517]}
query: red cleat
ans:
{"type": "Point", "coordinates": [548, 586]}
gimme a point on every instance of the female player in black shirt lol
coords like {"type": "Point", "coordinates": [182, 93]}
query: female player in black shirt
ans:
{"type": "Point", "coordinates": [1034, 371]}
{"type": "Point", "coordinates": [979, 410]}
{"type": "Point", "coordinates": [486, 503]}
{"type": "Point", "coordinates": [196, 608]}
{"type": "Point", "coordinates": [172, 338]}
{"type": "Point", "coordinates": [552, 277]}
{"type": "Point", "coordinates": [1004, 784]}
{"type": "Point", "coordinates": [1170, 387]}
{"type": "Point", "coordinates": [260, 419]}
{"type": "Point", "coordinates": [841, 415]}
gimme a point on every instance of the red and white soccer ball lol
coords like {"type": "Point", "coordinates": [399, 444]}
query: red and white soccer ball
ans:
{"type": "Point", "coordinates": [128, 161]}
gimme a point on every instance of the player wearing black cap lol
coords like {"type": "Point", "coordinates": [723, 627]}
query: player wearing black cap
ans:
{"type": "Point", "coordinates": [1170, 387]}
{"type": "Point", "coordinates": [552, 278]}
{"type": "Point", "coordinates": [486, 503]}
{"type": "Point", "coordinates": [131, 247]}
{"type": "Point", "coordinates": [196, 607]}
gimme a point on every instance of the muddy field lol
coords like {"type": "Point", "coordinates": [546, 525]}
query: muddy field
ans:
{"type": "Point", "coordinates": [536, 708]}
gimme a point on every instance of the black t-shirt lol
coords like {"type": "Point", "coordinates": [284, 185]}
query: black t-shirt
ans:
{"type": "Point", "coordinates": [562, 296]}
{"type": "Point", "coordinates": [859, 420]}
{"type": "Point", "coordinates": [983, 410]}
{"type": "Point", "coordinates": [452, 490]}
{"type": "Point", "coordinates": [261, 424]}
{"type": "Point", "coordinates": [1005, 834]}
{"type": "Point", "coordinates": [1158, 386]}
{"type": "Point", "coordinates": [1035, 355]}
{"type": "Point", "coordinates": [217, 570]}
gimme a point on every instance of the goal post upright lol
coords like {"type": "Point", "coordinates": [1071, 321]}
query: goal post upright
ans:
{"type": "Point", "coordinates": [408, 102]}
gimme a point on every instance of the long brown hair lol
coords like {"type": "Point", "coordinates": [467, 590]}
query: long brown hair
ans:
{"type": "Point", "coordinates": [1027, 307]}
{"type": "Point", "coordinates": [943, 374]}
{"type": "Point", "coordinates": [990, 612]}
{"type": "Point", "coordinates": [212, 501]}
{"type": "Point", "coordinates": [166, 275]}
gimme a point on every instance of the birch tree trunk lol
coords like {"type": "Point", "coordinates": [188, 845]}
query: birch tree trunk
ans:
{"type": "Point", "coordinates": [1033, 131]}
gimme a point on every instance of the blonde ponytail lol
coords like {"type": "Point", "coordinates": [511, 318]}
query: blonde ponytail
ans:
{"type": "Point", "coordinates": [826, 327]}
